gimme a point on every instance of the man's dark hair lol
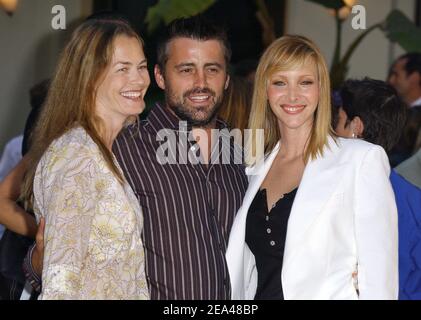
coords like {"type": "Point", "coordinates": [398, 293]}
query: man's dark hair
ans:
{"type": "Point", "coordinates": [380, 109]}
{"type": "Point", "coordinates": [413, 62]}
{"type": "Point", "coordinates": [198, 28]}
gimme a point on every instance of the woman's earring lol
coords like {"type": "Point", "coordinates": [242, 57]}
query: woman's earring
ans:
{"type": "Point", "coordinates": [353, 136]}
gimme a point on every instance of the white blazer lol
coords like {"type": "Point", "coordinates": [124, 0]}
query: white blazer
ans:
{"type": "Point", "coordinates": [343, 218]}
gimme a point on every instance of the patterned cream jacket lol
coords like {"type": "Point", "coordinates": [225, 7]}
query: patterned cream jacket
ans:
{"type": "Point", "coordinates": [93, 246]}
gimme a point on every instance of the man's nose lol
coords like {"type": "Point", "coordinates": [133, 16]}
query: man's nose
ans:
{"type": "Point", "coordinates": [200, 79]}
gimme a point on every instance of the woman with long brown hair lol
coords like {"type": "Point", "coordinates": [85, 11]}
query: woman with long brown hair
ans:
{"type": "Point", "coordinates": [93, 221]}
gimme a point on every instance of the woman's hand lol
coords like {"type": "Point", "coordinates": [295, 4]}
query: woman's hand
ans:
{"type": "Point", "coordinates": [38, 253]}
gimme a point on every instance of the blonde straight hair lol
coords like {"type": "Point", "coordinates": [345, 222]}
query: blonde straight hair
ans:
{"type": "Point", "coordinates": [72, 94]}
{"type": "Point", "coordinates": [287, 53]}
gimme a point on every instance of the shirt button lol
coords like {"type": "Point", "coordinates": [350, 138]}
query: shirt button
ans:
{"type": "Point", "coordinates": [267, 218]}
{"type": "Point", "coordinates": [268, 230]}
{"type": "Point", "coordinates": [272, 243]}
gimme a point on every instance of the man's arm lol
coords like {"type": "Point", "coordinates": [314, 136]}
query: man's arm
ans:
{"type": "Point", "coordinates": [12, 216]}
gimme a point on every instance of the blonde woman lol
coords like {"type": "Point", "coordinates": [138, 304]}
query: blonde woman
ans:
{"type": "Point", "coordinates": [319, 219]}
{"type": "Point", "coordinates": [93, 222]}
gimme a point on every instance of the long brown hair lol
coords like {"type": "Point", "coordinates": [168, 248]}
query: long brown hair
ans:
{"type": "Point", "coordinates": [235, 108]}
{"type": "Point", "coordinates": [286, 53]}
{"type": "Point", "coordinates": [71, 97]}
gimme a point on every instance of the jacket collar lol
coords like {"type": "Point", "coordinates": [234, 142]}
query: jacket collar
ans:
{"type": "Point", "coordinates": [320, 180]}
{"type": "Point", "coordinates": [314, 191]}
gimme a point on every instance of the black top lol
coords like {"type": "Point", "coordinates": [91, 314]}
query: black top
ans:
{"type": "Point", "coordinates": [265, 235]}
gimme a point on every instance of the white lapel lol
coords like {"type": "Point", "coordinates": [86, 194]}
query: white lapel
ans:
{"type": "Point", "coordinates": [235, 251]}
{"type": "Point", "coordinates": [319, 181]}
{"type": "Point", "coordinates": [257, 175]}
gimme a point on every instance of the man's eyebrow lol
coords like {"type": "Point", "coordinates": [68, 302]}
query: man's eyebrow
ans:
{"type": "Point", "coordinates": [214, 64]}
{"type": "Point", "coordinates": [190, 64]}
{"type": "Point", "coordinates": [185, 64]}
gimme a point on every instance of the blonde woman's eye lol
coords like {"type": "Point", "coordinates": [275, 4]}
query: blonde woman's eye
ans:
{"type": "Point", "coordinates": [307, 83]}
{"type": "Point", "coordinates": [278, 83]}
{"type": "Point", "coordinates": [123, 69]}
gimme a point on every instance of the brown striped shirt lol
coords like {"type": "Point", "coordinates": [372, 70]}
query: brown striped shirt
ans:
{"type": "Point", "coordinates": [188, 212]}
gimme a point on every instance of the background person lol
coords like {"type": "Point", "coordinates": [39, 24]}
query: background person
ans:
{"type": "Point", "coordinates": [13, 246]}
{"type": "Point", "coordinates": [372, 111]}
{"type": "Point", "coordinates": [405, 77]}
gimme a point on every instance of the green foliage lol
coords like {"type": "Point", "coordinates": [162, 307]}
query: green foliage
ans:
{"type": "Point", "coordinates": [398, 28]}
{"type": "Point", "coordinates": [168, 10]}
{"type": "Point", "coordinates": [339, 69]}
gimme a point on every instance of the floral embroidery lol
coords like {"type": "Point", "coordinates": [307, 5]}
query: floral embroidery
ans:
{"type": "Point", "coordinates": [93, 246]}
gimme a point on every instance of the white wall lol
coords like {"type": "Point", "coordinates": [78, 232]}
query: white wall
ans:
{"type": "Point", "coordinates": [374, 54]}
{"type": "Point", "coordinates": [29, 49]}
